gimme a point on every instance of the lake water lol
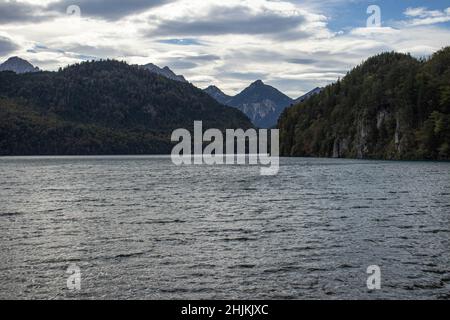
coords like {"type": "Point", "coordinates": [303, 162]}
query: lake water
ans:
{"type": "Point", "coordinates": [140, 227]}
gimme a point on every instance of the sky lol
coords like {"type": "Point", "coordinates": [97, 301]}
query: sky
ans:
{"type": "Point", "coordinates": [293, 45]}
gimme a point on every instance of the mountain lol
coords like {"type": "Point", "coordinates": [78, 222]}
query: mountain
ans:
{"type": "Point", "coordinates": [263, 104]}
{"type": "Point", "coordinates": [102, 107]}
{"type": "Point", "coordinates": [165, 72]}
{"type": "Point", "coordinates": [392, 106]}
{"type": "Point", "coordinates": [308, 95]}
{"type": "Point", "coordinates": [18, 65]}
{"type": "Point", "coordinates": [218, 95]}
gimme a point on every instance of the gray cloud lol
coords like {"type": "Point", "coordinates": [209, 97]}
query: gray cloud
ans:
{"type": "Point", "coordinates": [252, 76]}
{"type": "Point", "coordinates": [181, 64]}
{"type": "Point", "coordinates": [85, 52]}
{"type": "Point", "coordinates": [302, 61]}
{"type": "Point", "coordinates": [329, 63]}
{"type": "Point", "coordinates": [108, 9]}
{"type": "Point", "coordinates": [21, 12]}
{"type": "Point", "coordinates": [252, 54]}
{"type": "Point", "coordinates": [235, 20]}
{"type": "Point", "coordinates": [98, 51]}
{"type": "Point", "coordinates": [204, 57]}
{"type": "Point", "coordinates": [190, 62]}
{"type": "Point", "coordinates": [296, 88]}
{"type": "Point", "coordinates": [88, 50]}
{"type": "Point", "coordinates": [7, 46]}
{"type": "Point", "coordinates": [13, 12]}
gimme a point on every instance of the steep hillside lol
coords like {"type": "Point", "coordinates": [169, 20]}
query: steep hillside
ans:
{"type": "Point", "coordinates": [391, 107]}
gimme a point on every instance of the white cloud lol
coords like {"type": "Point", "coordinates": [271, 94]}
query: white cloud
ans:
{"type": "Point", "coordinates": [292, 48]}
{"type": "Point", "coordinates": [423, 16]}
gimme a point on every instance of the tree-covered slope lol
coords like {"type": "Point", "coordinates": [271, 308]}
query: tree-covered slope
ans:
{"type": "Point", "coordinates": [391, 107]}
{"type": "Point", "coordinates": [24, 131]}
{"type": "Point", "coordinates": [105, 107]}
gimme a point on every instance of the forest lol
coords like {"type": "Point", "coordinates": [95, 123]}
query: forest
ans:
{"type": "Point", "coordinates": [393, 106]}
{"type": "Point", "coordinates": [102, 107]}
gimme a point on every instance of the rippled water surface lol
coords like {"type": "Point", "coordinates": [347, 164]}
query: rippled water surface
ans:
{"type": "Point", "coordinates": [140, 227]}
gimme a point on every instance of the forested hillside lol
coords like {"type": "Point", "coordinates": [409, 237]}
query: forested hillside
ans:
{"type": "Point", "coordinates": [392, 106]}
{"type": "Point", "coordinates": [104, 107]}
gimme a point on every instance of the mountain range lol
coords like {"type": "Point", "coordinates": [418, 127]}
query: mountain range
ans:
{"type": "Point", "coordinates": [263, 104]}
{"type": "Point", "coordinates": [102, 107]}
{"type": "Point", "coordinates": [392, 106]}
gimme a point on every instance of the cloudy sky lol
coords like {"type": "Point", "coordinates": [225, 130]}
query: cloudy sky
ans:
{"type": "Point", "coordinates": [293, 45]}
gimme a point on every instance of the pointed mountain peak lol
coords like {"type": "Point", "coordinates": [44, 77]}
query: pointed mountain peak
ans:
{"type": "Point", "coordinates": [213, 88]}
{"type": "Point", "coordinates": [15, 58]}
{"type": "Point", "coordinates": [165, 72]}
{"type": "Point", "coordinates": [217, 94]}
{"type": "Point", "coordinates": [18, 65]}
{"type": "Point", "coordinates": [262, 103]}
{"type": "Point", "coordinates": [258, 83]}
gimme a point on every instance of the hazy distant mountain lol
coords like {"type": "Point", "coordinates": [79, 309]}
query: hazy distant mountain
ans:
{"type": "Point", "coordinates": [165, 72]}
{"type": "Point", "coordinates": [308, 95]}
{"type": "Point", "coordinates": [217, 94]}
{"type": "Point", "coordinates": [18, 65]}
{"type": "Point", "coordinates": [262, 103]}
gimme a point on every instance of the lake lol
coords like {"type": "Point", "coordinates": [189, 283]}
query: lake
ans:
{"type": "Point", "coordinates": [143, 228]}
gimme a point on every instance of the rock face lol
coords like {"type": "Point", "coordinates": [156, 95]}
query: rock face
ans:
{"type": "Point", "coordinates": [165, 72]}
{"type": "Point", "coordinates": [18, 65]}
{"type": "Point", "coordinates": [392, 106]}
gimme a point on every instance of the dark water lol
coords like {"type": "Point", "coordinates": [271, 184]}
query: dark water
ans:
{"type": "Point", "coordinates": [143, 228]}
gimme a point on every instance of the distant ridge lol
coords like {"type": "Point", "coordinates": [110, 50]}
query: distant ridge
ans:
{"type": "Point", "coordinates": [165, 72]}
{"type": "Point", "coordinates": [218, 94]}
{"type": "Point", "coordinates": [262, 103]}
{"type": "Point", "coordinates": [18, 65]}
{"type": "Point", "coordinates": [308, 95]}
{"type": "Point", "coordinates": [102, 107]}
